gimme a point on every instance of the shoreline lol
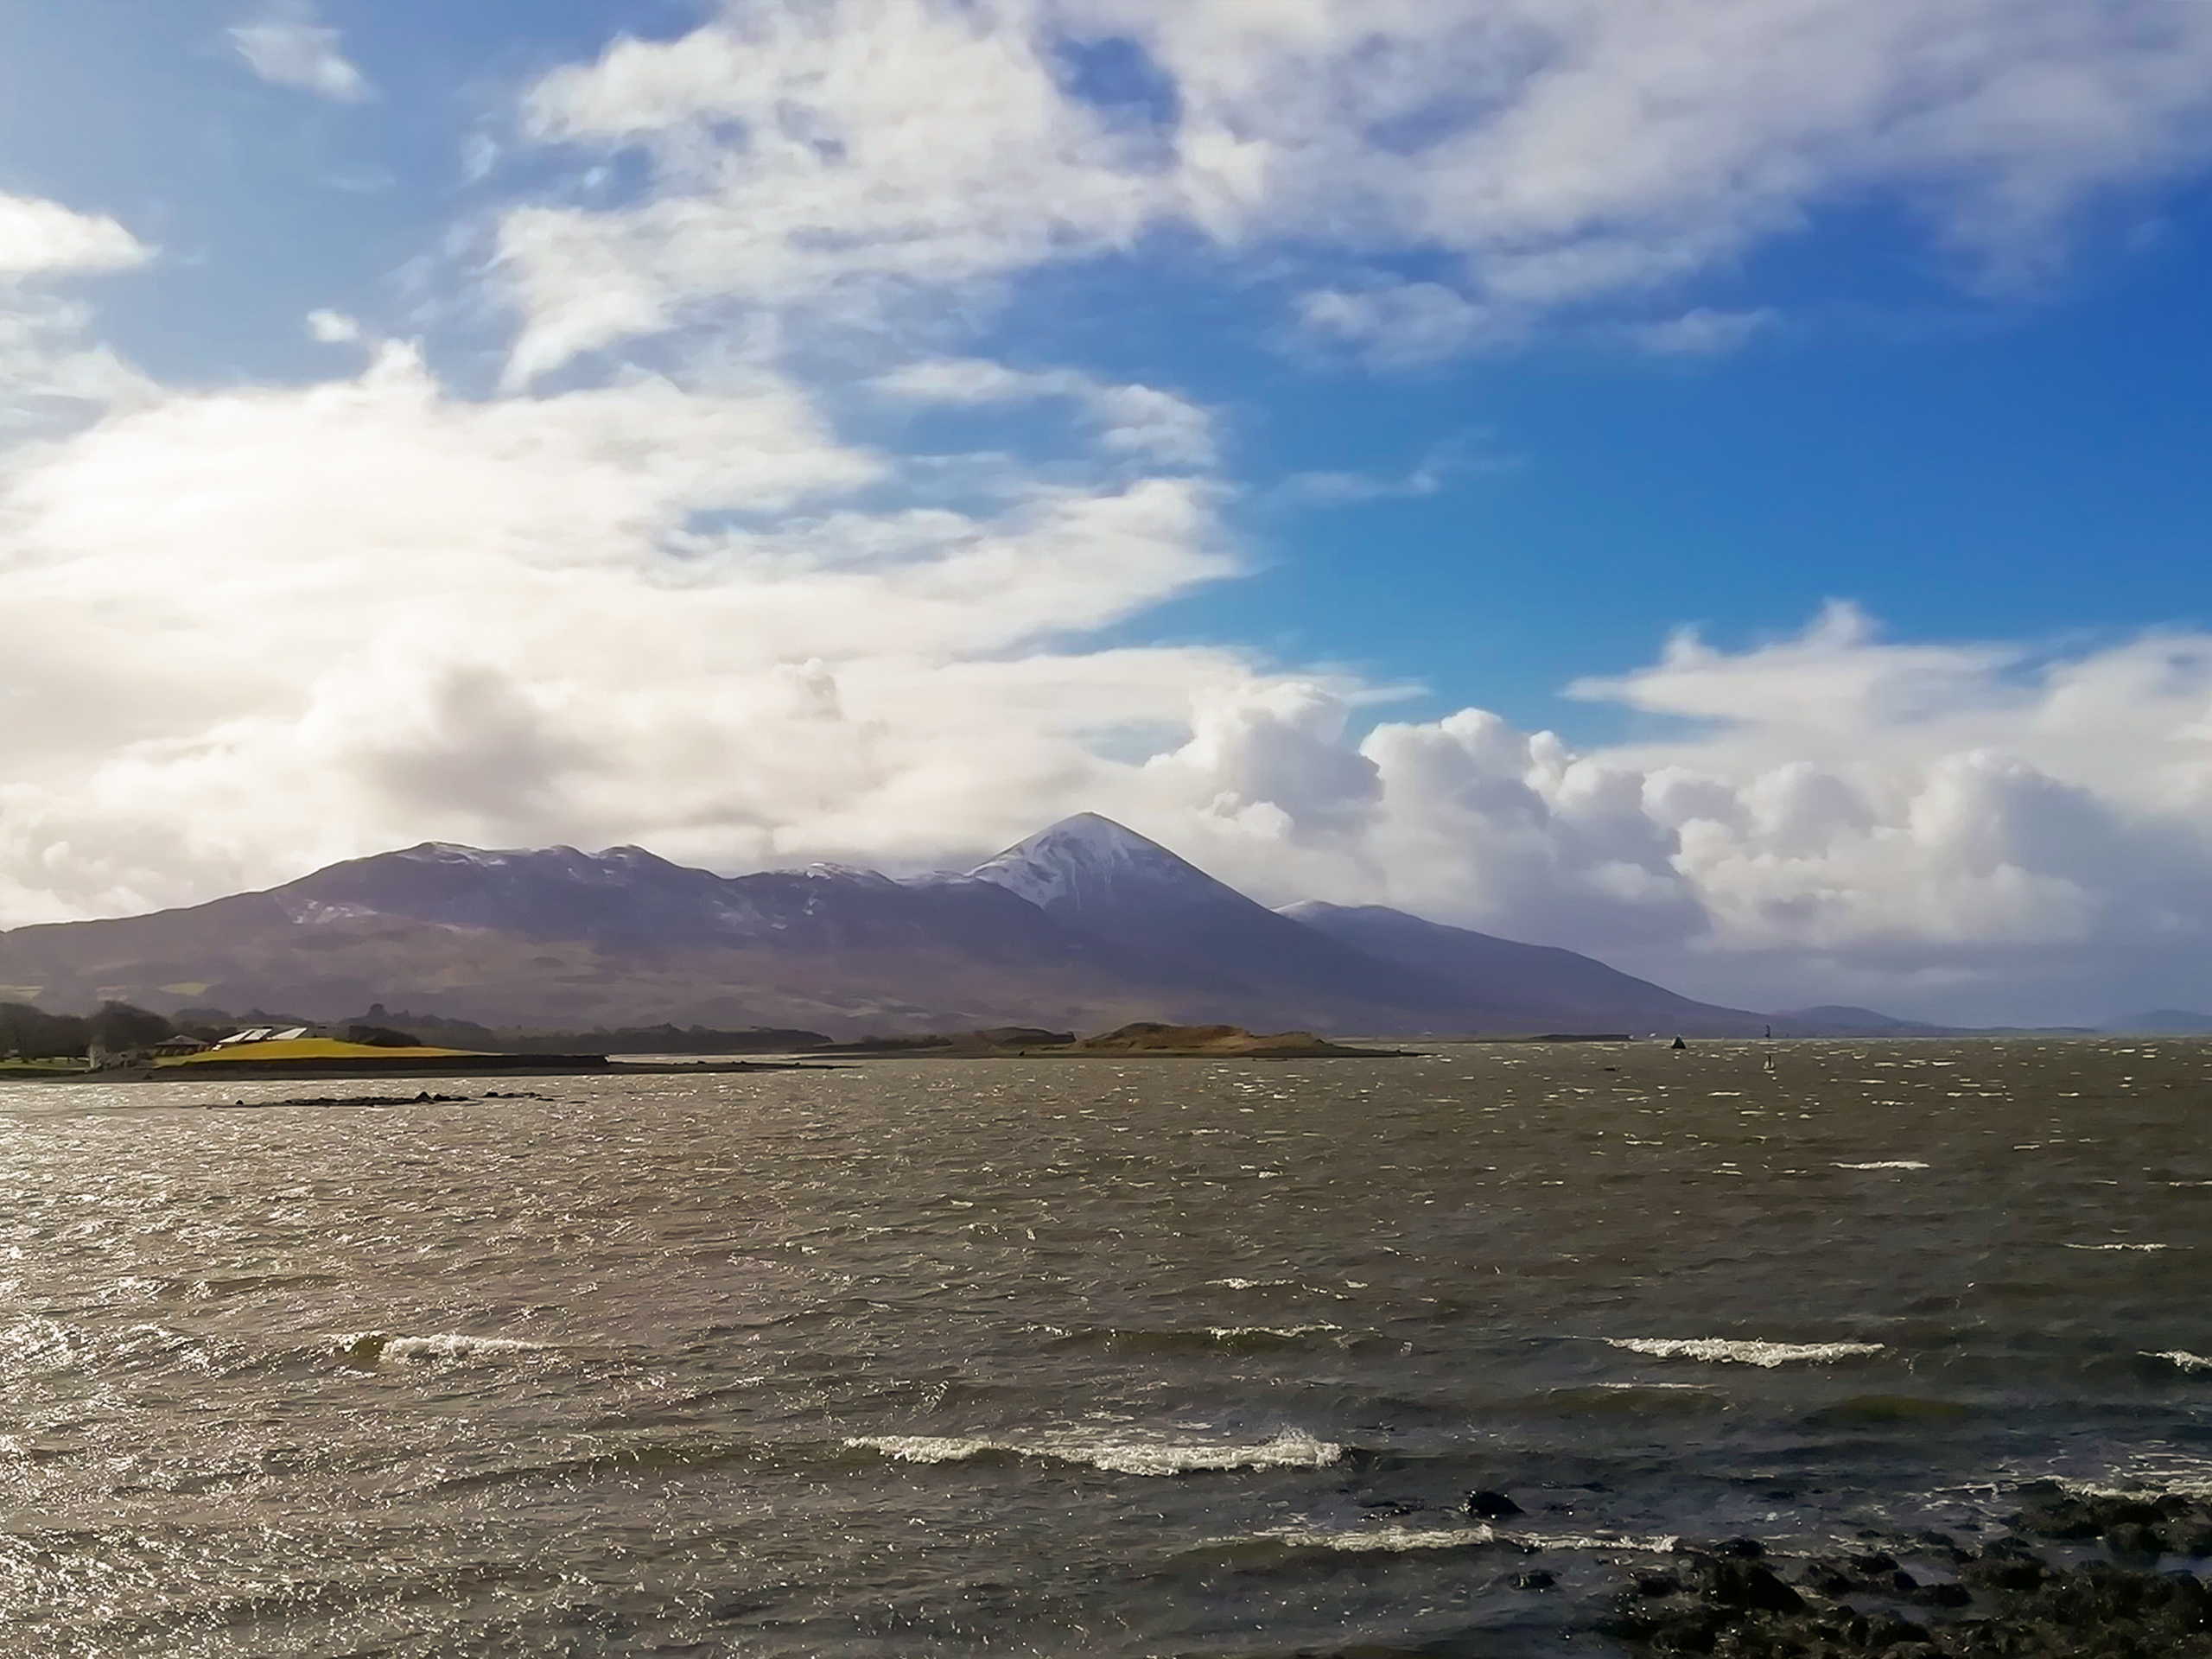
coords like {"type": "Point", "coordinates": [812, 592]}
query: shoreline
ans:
{"type": "Point", "coordinates": [493, 1065]}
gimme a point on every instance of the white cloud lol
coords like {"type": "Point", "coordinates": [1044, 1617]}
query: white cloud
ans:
{"type": "Point", "coordinates": [1569, 151]}
{"type": "Point", "coordinates": [1139, 421]}
{"type": "Point", "coordinates": [1701, 333]}
{"type": "Point", "coordinates": [332, 328]}
{"type": "Point", "coordinates": [48, 378]}
{"type": "Point", "coordinates": [289, 48]}
{"type": "Point", "coordinates": [833, 156]}
{"type": "Point", "coordinates": [1404, 323]}
{"type": "Point", "coordinates": [43, 239]}
{"type": "Point", "coordinates": [246, 630]}
{"type": "Point", "coordinates": [837, 157]}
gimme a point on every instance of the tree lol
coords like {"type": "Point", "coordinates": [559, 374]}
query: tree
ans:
{"type": "Point", "coordinates": [33, 1034]}
{"type": "Point", "coordinates": [119, 1027]}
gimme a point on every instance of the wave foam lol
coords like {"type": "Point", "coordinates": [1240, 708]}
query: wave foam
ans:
{"type": "Point", "coordinates": [1393, 1540]}
{"type": "Point", "coordinates": [2187, 1362]}
{"type": "Point", "coordinates": [1768, 1355]}
{"type": "Point", "coordinates": [1665, 1544]}
{"type": "Point", "coordinates": [374, 1345]}
{"type": "Point", "coordinates": [1293, 1449]}
{"type": "Point", "coordinates": [1403, 1540]}
{"type": "Point", "coordinates": [1890, 1163]}
{"type": "Point", "coordinates": [2119, 1247]}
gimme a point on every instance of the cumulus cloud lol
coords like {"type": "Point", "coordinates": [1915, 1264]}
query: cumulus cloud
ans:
{"type": "Point", "coordinates": [839, 153]}
{"type": "Point", "coordinates": [658, 587]}
{"type": "Point", "coordinates": [48, 375]}
{"type": "Point", "coordinates": [288, 47]}
{"type": "Point", "coordinates": [1561, 155]}
{"type": "Point", "coordinates": [332, 328]}
{"type": "Point", "coordinates": [44, 239]}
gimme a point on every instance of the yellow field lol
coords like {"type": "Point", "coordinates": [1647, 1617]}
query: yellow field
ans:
{"type": "Point", "coordinates": [311, 1048]}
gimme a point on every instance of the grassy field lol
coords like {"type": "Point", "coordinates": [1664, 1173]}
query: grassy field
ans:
{"type": "Point", "coordinates": [306, 1048]}
{"type": "Point", "coordinates": [41, 1068]}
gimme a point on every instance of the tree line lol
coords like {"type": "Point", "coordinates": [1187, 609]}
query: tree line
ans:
{"type": "Point", "coordinates": [29, 1033]}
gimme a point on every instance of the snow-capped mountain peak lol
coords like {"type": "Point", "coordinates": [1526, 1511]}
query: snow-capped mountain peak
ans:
{"type": "Point", "coordinates": [1085, 860]}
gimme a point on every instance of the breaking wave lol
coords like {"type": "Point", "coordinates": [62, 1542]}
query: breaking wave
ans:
{"type": "Point", "coordinates": [1888, 1163]}
{"type": "Point", "coordinates": [2186, 1362]}
{"type": "Point", "coordinates": [1293, 1449]}
{"type": "Point", "coordinates": [374, 1345]}
{"type": "Point", "coordinates": [1398, 1540]}
{"type": "Point", "coordinates": [1715, 1350]}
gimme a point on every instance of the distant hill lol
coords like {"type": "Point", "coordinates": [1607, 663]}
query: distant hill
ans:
{"type": "Point", "coordinates": [1522, 986]}
{"type": "Point", "coordinates": [1834, 1019]}
{"type": "Point", "coordinates": [1085, 926]}
{"type": "Point", "coordinates": [2167, 1022]}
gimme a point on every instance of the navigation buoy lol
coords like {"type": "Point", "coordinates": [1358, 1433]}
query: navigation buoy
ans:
{"type": "Point", "coordinates": [1678, 1043]}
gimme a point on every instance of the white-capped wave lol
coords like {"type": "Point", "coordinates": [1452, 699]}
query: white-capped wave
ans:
{"type": "Point", "coordinates": [1231, 1332]}
{"type": "Point", "coordinates": [1391, 1538]}
{"type": "Point", "coordinates": [1291, 1449]}
{"type": "Point", "coordinates": [1888, 1163]}
{"type": "Point", "coordinates": [1717, 1350]}
{"type": "Point", "coordinates": [2119, 1247]}
{"type": "Point", "coordinates": [415, 1351]}
{"type": "Point", "coordinates": [1399, 1539]}
{"type": "Point", "coordinates": [2187, 1362]}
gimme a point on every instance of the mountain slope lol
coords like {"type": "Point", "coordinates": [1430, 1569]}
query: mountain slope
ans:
{"type": "Point", "coordinates": [1834, 1019]}
{"type": "Point", "coordinates": [1085, 925]}
{"type": "Point", "coordinates": [555, 936]}
{"type": "Point", "coordinates": [1223, 956]}
{"type": "Point", "coordinates": [1522, 986]}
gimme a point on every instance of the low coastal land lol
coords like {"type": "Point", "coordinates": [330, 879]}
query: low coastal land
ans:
{"type": "Point", "coordinates": [1145, 1040]}
{"type": "Point", "coordinates": [322, 1059]}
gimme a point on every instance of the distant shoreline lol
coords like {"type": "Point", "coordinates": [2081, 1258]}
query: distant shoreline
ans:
{"type": "Point", "coordinates": [474, 1066]}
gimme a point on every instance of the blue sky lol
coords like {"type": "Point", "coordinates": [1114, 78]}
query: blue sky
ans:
{"type": "Point", "coordinates": [1957, 454]}
{"type": "Point", "coordinates": [1229, 396]}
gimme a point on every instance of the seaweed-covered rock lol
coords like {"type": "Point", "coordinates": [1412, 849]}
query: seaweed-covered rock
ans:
{"type": "Point", "coordinates": [2007, 1602]}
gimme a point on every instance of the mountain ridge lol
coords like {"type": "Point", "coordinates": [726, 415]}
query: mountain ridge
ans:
{"type": "Point", "coordinates": [1086, 923]}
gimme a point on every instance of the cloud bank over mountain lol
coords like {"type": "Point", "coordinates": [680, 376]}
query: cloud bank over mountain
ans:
{"type": "Point", "coordinates": [682, 577]}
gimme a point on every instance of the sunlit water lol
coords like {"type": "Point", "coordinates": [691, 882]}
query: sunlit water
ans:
{"type": "Point", "coordinates": [1088, 1357]}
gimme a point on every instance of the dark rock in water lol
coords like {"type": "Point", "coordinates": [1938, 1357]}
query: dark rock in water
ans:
{"type": "Point", "coordinates": [2133, 1538]}
{"type": "Point", "coordinates": [2006, 1573]}
{"type": "Point", "coordinates": [1830, 1580]}
{"type": "Point", "coordinates": [1537, 1579]}
{"type": "Point", "coordinates": [1492, 1506]}
{"type": "Point", "coordinates": [1734, 1583]}
{"type": "Point", "coordinates": [2008, 1604]}
{"type": "Point", "coordinates": [2052, 1511]}
{"type": "Point", "coordinates": [1749, 1548]}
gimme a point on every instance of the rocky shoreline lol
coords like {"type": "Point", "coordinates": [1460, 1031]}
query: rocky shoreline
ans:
{"type": "Point", "coordinates": [2076, 1575]}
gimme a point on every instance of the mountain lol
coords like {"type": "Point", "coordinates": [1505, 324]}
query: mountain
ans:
{"type": "Point", "coordinates": [1527, 986]}
{"type": "Point", "coordinates": [1093, 875]}
{"type": "Point", "coordinates": [2160, 1022]}
{"type": "Point", "coordinates": [1086, 925]}
{"type": "Point", "coordinates": [558, 937]}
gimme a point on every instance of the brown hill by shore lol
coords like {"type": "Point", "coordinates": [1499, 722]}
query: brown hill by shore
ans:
{"type": "Point", "coordinates": [1146, 1040]}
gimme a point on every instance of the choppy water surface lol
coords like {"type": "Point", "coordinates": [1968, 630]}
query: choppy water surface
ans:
{"type": "Point", "coordinates": [1088, 1357]}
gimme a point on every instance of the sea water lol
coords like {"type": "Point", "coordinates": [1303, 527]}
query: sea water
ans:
{"type": "Point", "coordinates": [1084, 1356]}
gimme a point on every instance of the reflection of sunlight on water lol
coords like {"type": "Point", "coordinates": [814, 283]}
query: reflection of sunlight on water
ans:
{"type": "Point", "coordinates": [620, 1347]}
